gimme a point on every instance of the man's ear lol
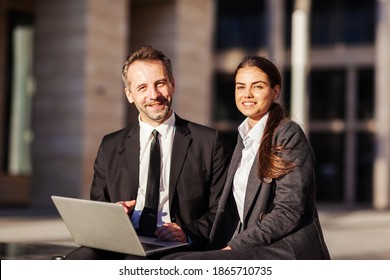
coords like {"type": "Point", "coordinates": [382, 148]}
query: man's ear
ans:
{"type": "Point", "coordinates": [173, 85]}
{"type": "Point", "coordinates": [128, 95]}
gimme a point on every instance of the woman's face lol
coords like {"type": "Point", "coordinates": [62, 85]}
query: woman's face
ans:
{"type": "Point", "coordinates": [254, 94]}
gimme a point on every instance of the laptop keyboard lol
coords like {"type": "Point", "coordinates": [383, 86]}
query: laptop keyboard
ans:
{"type": "Point", "coordinates": [148, 246]}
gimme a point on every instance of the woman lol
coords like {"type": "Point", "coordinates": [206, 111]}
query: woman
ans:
{"type": "Point", "coordinates": [267, 209]}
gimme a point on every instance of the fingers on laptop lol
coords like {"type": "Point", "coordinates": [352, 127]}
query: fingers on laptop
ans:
{"type": "Point", "coordinates": [127, 205]}
{"type": "Point", "coordinates": [172, 232]}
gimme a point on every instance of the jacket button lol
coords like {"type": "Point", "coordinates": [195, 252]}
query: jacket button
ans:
{"type": "Point", "coordinates": [261, 216]}
{"type": "Point", "coordinates": [267, 180]}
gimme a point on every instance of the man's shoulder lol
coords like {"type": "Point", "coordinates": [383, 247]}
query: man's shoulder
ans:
{"type": "Point", "coordinates": [201, 128]}
{"type": "Point", "coordinates": [195, 127]}
{"type": "Point", "coordinates": [119, 134]}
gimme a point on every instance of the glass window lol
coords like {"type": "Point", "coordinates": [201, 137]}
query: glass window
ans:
{"type": "Point", "coordinates": [327, 94]}
{"type": "Point", "coordinates": [365, 161]}
{"type": "Point", "coordinates": [285, 96]}
{"type": "Point", "coordinates": [366, 94]}
{"type": "Point", "coordinates": [240, 24]}
{"type": "Point", "coordinates": [225, 106]}
{"type": "Point", "coordinates": [21, 89]}
{"type": "Point", "coordinates": [230, 141]}
{"type": "Point", "coordinates": [329, 153]}
{"type": "Point", "coordinates": [345, 21]}
{"type": "Point", "coordinates": [359, 21]}
{"type": "Point", "coordinates": [289, 8]}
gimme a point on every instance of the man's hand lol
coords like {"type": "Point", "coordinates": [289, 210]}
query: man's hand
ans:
{"type": "Point", "coordinates": [128, 206]}
{"type": "Point", "coordinates": [227, 248]}
{"type": "Point", "coordinates": [172, 232]}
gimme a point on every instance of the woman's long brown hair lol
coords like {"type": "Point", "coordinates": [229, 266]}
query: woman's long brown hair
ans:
{"type": "Point", "coordinates": [270, 164]}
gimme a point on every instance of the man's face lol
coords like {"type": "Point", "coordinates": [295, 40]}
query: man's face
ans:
{"type": "Point", "coordinates": [150, 90]}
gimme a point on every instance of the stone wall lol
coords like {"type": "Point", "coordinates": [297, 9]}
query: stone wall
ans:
{"type": "Point", "coordinates": [80, 48]}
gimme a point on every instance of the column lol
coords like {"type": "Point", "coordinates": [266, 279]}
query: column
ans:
{"type": "Point", "coordinates": [381, 183]}
{"type": "Point", "coordinates": [276, 34]}
{"type": "Point", "coordinates": [80, 49]}
{"type": "Point", "coordinates": [194, 59]}
{"type": "Point", "coordinates": [299, 62]}
{"type": "Point", "coordinates": [183, 30]}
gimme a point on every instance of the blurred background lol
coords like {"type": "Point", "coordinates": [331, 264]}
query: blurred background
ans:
{"type": "Point", "coordinates": [61, 89]}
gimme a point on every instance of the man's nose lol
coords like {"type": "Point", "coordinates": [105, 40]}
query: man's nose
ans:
{"type": "Point", "coordinates": [154, 93]}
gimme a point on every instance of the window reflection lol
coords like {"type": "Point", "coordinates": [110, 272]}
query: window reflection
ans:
{"type": "Point", "coordinates": [365, 161]}
{"type": "Point", "coordinates": [225, 106]}
{"type": "Point", "coordinates": [347, 21]}
{"type": "Point", "coordinates": [328, 149]}
{"type": "Point", "coordinates": [366, 93]}
{"type": "Point", "coordinates": [21, 93]}
{"type": "Point", "coordinates": [327, 94]}
{"type": "Point", "coordinates": [240, 24]}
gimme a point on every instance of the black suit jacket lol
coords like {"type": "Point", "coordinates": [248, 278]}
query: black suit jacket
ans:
{"type": "Point", "coordinates": [197, 175]}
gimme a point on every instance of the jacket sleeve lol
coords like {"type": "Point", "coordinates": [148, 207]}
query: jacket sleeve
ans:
{"type": "Point", "coordinates": [99, 189]}
{"type": "Point", "coordinates": [291, 193]}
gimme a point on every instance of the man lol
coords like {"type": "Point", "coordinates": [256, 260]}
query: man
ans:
{"type": "Point", "coordinates": [192, 169]}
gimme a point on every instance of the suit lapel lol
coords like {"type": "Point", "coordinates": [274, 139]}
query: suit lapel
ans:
{"type": "Point", "coordinates": [181, 142]}
{"type": "Point", "coordinates": [226, 193]}
{"type": "Point", "coordinates": [253, 187]}
{"type": "Point", "coordinates": [235, 160]}
{"type": "Point", "coordinates": [132, 152]}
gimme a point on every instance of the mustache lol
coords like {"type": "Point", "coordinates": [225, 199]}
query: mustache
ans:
{"type": "Point", "coordinates": [158, 100]}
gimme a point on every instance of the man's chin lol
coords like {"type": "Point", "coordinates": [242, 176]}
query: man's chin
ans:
{"type": "Point", "coordinates": [159, 116]}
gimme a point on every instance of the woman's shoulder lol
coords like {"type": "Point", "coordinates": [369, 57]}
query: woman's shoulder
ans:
{"type": "Point", "coordinates": [289, 130]}
{"type": "Point", "coordinates": [288, 125]}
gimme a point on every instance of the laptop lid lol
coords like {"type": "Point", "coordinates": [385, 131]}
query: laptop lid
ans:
{"type": "Point", "coordinates": [106, 226]}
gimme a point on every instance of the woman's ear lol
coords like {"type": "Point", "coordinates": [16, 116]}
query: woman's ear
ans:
{"type": "Point", "coordinates": [276, 92]}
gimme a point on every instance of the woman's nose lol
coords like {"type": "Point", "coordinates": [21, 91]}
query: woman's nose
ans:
{"type": "Point", "coordinates": [248, 93]}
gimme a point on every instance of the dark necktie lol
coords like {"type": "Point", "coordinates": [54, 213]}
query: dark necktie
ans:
{"type": "Point", "coordinates": [148, 219]}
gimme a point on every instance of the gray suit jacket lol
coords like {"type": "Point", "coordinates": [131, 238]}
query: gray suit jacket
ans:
{"type": "Point", "coordinates": [282, 211]}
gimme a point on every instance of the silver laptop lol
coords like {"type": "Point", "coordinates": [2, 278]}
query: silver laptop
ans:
{"type": "Point", "coordinates": [106, 226]}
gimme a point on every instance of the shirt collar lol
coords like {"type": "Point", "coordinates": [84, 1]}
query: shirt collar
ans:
{"type": "Point", "coordinates": [254, 134]}
{"type": "Point", "coordinates": [163, 128]}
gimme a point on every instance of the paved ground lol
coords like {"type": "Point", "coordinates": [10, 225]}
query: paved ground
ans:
{"type": "Point", "coordinates": [350, 234]}
{"type": "Point", "coordinates": [360, 234]}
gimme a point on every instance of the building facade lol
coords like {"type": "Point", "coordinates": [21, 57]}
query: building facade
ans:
{"type": "Point", "coordinates": [61, 89]}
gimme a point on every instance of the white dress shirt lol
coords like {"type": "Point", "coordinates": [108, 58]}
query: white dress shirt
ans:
{"type": "Point", "coordinates": [166, 132]}
{"type": "Point", "coordinates": [251, 139]}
